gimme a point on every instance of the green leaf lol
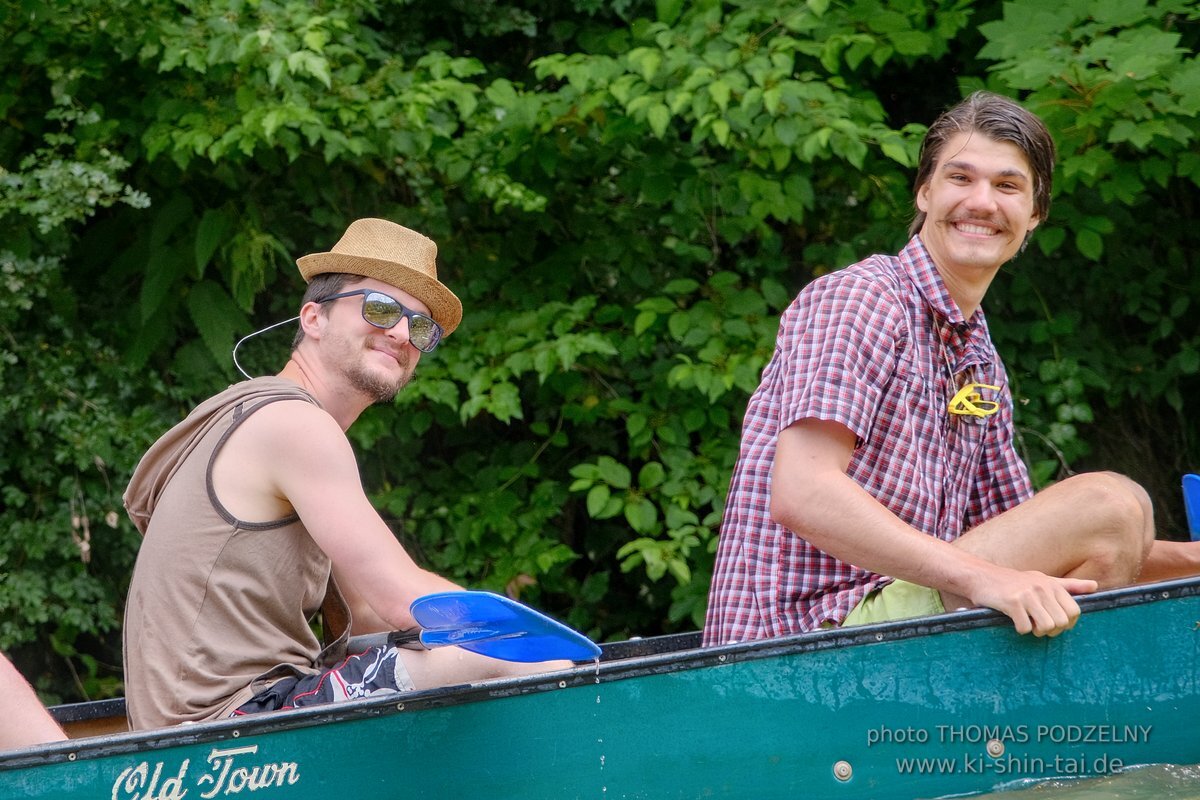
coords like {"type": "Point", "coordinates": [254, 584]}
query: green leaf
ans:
{"type": "Point", "coordinates": [719, 91]}
{"type": "Point", "coordinates": [315, 40]}
{"type": "Point", "coordinates": [643, 321]}
{"type": "Point", "coordinates": [635, 424]}
{"type": "Point", "coordinates": [896, 150]}
{"type": "Point", "coordinates": [681, 286]}
{"type": "Point", "coordinates": [659, 117]}
{"type": "Point", "coordinates": [651, 475]}
{"type": "Point", "coordinates": [597, 500]}
{"type": "Point", "coordinates": [163, 271]}
{"type": "Point", "coordinates": [787, 130]}
{"type": "Point", "coordinates": [1090, 244]}
{"type": "Point", "coordinates": [1049, 239]}
{"type": "Point", "coordinates": [212, 231]}
{"type": "Point", "coordinates": [615, 474]}
{"type": "Point", "coordinates": [641, 515]}
{"type": "Point", "coordinates": [647, 61]}
{"type": "Point", "coordinates": [775, 294]}
{"type": "Point", "coordinates": [504, 402]}
{"type": "Point", "coordinates": [1189, 361]}
{"type": "Point", "coordinates": [668, 11]}
{"type": "Point", "coordinates": [680, 570]}
{"type": "Point", "coordinates": [720, 129]}
{"type": "Point", "coordinates": [217, 318]}
{"type": "Point", "coordinates": [911, 43]}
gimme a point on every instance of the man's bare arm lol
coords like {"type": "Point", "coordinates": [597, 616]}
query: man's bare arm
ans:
{"type": "Point", "coordinates": [313, 468]}
{"type": "Point", "coordinates": [26, 720]}
{"type": "Point", "coordinates": [812, 495]}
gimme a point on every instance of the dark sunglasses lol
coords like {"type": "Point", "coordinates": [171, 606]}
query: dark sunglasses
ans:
{"type": "Point", "coordinates": [386, 312]}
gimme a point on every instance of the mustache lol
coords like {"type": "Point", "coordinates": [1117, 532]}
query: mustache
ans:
{"type": "Point", "coordinates": [401, 354]}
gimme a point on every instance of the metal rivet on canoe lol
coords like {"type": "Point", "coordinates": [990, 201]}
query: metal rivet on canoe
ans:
{"type": "Point", "coordinates": [70, 756]}
{"type": "Point", "coordinates": [235, 734]}
{"type": "Point", "coordinates": [722, 658]}
{"type": "Point", "coordinates": [399, 706]}
{"type": "Point", "coordinates": [995, 748]}
{"type": "Point", "coordinates": [843, 771]}
{"type": "Point", "coordinates": [879, 637]}
{"type": "Point", "coordinates": [562, 684]}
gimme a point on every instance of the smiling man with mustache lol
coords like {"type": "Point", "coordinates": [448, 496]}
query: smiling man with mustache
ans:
{"type": "Point", "coordinates": [254, 516]}
{"type": "Point", "coordinates": [877, 477]}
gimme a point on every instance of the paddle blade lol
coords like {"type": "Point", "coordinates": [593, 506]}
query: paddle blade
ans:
{"type": "Point", "coordinates": [1191, 504]}
{"type": "Point", "coordinates": [495, 626]}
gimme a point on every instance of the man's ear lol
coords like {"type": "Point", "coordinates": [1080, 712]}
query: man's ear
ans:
{"type": "Point", "coordinates": [312, 320]}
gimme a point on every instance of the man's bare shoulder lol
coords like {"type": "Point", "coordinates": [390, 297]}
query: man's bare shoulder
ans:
{"type": "Point", "coordinates": [285, 435]}
{"type": "Point", "coordinates": [278, 452]}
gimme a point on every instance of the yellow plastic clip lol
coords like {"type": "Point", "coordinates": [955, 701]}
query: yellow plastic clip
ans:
{"type": "Point", "coordinates": [967, 402]}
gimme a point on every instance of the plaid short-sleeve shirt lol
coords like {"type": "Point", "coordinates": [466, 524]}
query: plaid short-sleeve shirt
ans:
{"type": "Point", "coordinates": [881, 348]}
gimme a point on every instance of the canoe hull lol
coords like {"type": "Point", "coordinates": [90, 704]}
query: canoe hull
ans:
{"type": "Point", "coordinates": [947, 705]}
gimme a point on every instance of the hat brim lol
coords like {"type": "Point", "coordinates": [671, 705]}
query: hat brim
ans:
{"type": "Point", "coordinates": [444, 306]}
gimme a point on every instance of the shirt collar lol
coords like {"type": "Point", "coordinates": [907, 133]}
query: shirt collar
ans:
{"type": "Point", "coordinates": [967, 341]}
{"type": "Point", "coordinates": [919, 267]}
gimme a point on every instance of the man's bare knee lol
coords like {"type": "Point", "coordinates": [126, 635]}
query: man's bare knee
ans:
{"type": "Point", "coordinates": [1098, 525]}
{"type": "Point", "coordinates": [1122, 519]}
{"type": "Point", "coordinates": [1125, 505]}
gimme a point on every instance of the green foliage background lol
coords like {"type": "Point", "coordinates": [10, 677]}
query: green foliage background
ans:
{"type": "Point", "coordinates": [626, 195]}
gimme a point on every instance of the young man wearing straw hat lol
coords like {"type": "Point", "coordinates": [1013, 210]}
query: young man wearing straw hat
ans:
{"type": "Point", "coordinates": [254, 516]}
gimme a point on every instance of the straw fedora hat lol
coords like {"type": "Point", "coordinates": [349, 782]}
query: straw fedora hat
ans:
{"type": "Point", "coordinates": [385, 251]}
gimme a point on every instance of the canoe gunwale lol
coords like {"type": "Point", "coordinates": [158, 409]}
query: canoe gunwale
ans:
{"type": "Point", "coordinates": [624, 660]}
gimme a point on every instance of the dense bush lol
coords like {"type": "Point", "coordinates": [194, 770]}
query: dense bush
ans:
{"type": "Point", "coordinates": [626, 195]}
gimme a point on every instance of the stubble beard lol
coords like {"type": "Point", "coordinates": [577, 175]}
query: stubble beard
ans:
{"type": "Point", "coordinates": [380, 388]}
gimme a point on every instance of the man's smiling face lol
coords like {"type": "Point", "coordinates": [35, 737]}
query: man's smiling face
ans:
{"type": "Point", "coordinates": [376, 362]}
{"type": "Point", "coordinates": [978, 203]}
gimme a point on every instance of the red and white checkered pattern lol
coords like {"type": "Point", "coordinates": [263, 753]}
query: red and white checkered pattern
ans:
{"type": "Point", "coordinates": [872, 347]}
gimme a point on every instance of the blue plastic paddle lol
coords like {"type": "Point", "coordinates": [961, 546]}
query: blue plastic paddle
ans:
{"type": "Point", "coordinates": [493, 625]}
{"type": "Point", "coordinates": [1191, 504]}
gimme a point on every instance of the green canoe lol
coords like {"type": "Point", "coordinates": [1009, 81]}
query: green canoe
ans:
{"type": "Point", "coordinates": [945, 705]}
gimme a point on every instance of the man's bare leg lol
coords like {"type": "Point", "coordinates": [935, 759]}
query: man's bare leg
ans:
{"type": "Point", "coordinates": [1169, 560]}
{"type": "Point", "coordinates": [1099, 525]}
{"type": "Point", "coordinates": [449, 666]}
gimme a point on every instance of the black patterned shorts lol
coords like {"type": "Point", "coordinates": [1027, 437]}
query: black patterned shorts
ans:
{"type": "Point", "coordinates": [378, 670]}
